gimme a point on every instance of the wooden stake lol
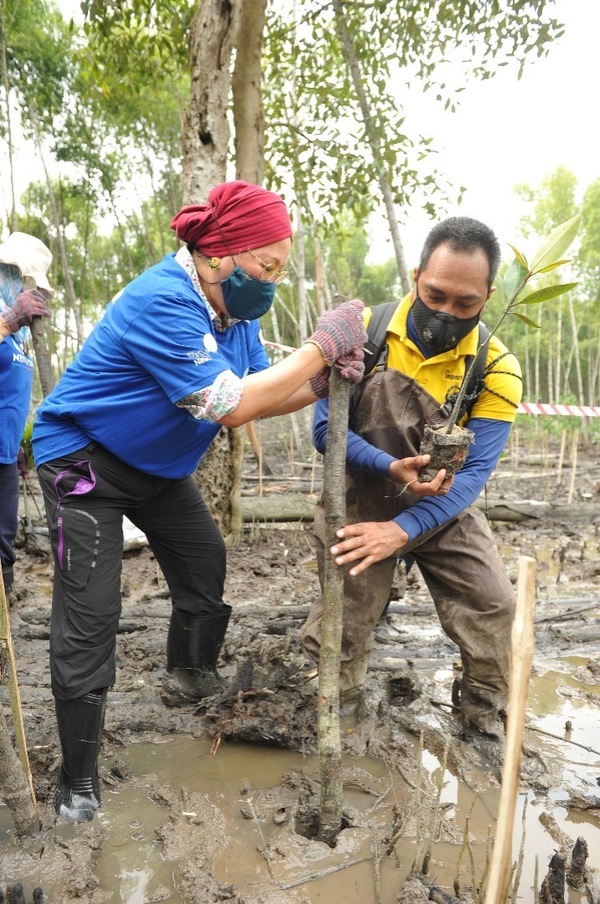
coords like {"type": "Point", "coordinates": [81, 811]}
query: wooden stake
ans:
{"type": "Point", "coordinates": [546, 466]}
{"type": "Point", "coordinates": [516, 437]}
{"type": "Point", "coordinates": [522, 654]}
{"type": "Point", "coordinates": [328, 709]}
{"type": "Point", "coordinates": [561, 457]}
{"type": "Point", "coordinates": [574, 445]}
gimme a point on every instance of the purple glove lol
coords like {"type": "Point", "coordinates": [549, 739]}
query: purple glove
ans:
{"type": "Point", "coordinates": [26, 306]}
{"type": "Point", "coordinates": [340, 331]}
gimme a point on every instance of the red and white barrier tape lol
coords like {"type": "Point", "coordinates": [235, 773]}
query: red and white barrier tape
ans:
{"type": "Point", "coordinates": [281, 348]}
{"type": "Point", "coordinates": [545, 408]}
{"type": "Point", "coordinates": [524, 407]}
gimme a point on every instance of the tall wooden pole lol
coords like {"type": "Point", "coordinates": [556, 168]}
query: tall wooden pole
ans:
{"type": "Point", "coordinates": [520, 671]}
{"type": "Point", "coordinates": [328, 707]}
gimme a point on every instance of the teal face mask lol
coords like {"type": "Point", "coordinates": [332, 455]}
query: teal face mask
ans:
{"type": "Point", "coordinates": [245, 296]}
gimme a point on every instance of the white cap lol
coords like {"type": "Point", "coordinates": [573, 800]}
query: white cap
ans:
{"type": "Point", "coordinates": [30, 255]}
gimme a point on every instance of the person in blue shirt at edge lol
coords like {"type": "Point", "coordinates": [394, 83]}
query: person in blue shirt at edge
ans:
{"type": "Point", "coordinates": [177, 355]}
{"type": "Point", "coordinates": [24, 288]}
{"type": "Point", "coordinates": [428, 339]}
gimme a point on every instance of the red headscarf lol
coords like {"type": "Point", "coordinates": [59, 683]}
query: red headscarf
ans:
{"type": "Point", "coordinates": [237, 216]}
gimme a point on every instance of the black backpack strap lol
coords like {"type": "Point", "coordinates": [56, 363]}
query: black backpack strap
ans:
{"type": "Point", "coordinates": [376, 348]}
{"type": "Point", "coordinates": [376, 354]}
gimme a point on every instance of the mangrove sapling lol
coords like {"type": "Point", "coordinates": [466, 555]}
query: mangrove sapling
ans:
{"type": "Point", "coordinates": [449, 444]}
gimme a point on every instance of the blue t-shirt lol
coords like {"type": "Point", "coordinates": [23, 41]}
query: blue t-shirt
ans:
{"type": "Point", "coordinates": [155, 345]}
{"type": "Point", "coordinates": [16, 378]}
{"type": "Point", "coordinates": [16, 371]}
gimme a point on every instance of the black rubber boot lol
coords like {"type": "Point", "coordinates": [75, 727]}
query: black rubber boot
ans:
{"type": "Point", "coordinates": [8, 578]}
{"type": "Point", "coordinates": [80, 724]}
{"type": "Point", "coordinates": [193, 648]}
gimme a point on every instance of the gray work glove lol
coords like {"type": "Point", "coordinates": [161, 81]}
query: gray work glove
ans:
{"type": "Point", "coordinates": [25, 307]}
{"type": "Point", "coordinates": [350, 366]}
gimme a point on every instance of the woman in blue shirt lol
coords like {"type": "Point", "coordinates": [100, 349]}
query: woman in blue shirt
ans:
{"type": "Point", "coordinates": [177, 355]}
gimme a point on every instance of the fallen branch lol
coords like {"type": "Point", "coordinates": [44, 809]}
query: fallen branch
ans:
{"type": "Point", "coordinates": [556, 737]}
{"type": "Point", "coordinates": [313, 877]}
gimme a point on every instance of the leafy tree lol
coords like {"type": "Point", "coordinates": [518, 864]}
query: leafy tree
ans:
{"type": "Point", "coordinates": [346, 146]}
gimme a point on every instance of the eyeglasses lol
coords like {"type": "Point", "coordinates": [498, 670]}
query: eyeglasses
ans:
{"type": "Point", "coordinates": [268, 272]}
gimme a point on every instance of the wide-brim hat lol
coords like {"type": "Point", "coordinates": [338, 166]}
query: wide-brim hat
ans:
{"type": "Point", "coordinates": [30, 255]}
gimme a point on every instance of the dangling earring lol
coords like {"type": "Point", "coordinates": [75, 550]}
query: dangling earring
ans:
{"type": "Point", "coordinates": [214, 263]}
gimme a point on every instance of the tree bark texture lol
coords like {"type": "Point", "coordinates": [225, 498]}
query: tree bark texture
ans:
{"type": "Point", "coordinates": [218, 477]}
{"type": "Point", "coordinates": [16, 786]}
{"type": "Point", "coordinates": [384, 180]}
{"type": "Point", "coordinates": [205, 146]}
{"type": "Point", "coordinates": [553, 886]}
{"type": "Point", "coordinates": [248, 113]}
{"type": "Point", "coordinates": [205, 128]}
{"type": "Point", "coordinates": [579, 855]}
{"type": "Point", "coordinates": [14, 790]}
{"type": "Point", "coordinates": [42, 355]}
{"type": "Point", "coordinates": [328, 707]}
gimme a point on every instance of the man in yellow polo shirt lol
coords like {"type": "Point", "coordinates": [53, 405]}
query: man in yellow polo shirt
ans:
{"type": "Point", "coordinates": [430, 339]}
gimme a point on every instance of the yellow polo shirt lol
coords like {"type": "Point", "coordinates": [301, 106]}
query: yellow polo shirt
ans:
{"type": "Point", "coordinates": [442, 374]}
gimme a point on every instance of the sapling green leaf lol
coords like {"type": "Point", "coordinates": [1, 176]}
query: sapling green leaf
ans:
{"type": "Point", "coordinates": [527, 320]}
{"type": "Point", "coordinates": [555, 265]}
{"type": "Point", "coordinates": [555, 245]}
{"type": "Point", "coordinates": [546, 293]}
{"type": "Point", "coordinates": [519, 256]}
{"type": "Point", "coordinates": [511, 285]}
{"type": "Point", "coordinates": [514, 279]}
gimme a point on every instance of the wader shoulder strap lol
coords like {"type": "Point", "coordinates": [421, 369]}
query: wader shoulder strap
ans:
{"type": "Point", "coordinates": [376, 348]}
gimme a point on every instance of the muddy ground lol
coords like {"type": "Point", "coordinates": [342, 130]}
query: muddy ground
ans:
{"type": "Point", "coordinates": [272, 701]}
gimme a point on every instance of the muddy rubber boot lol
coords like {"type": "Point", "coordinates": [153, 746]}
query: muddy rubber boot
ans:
{"type": "Point", "coordinates": [8, 579]}
{"type": "Point", "coordinates": [80, 724]}
{"type": "Point", "coordinates": [193, 648]}
{"type": "Point", "coordinates": [353, 674]}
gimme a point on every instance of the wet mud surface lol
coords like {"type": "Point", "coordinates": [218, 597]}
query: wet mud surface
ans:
{"type": "Point", "coordinates": [407, 725]}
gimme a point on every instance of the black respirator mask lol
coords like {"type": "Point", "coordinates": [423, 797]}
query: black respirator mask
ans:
{"type": "Point", "coordinates": [439, 331]}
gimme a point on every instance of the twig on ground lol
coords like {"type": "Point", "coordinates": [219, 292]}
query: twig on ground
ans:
{"type": "Point", "coordinates": [313, 877]}
{"type": "Point", "coordinates": [264, 850]}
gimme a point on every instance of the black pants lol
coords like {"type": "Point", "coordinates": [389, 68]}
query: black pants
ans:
{"type": "Point", "coordinates": [87, 493]}
{"type": "Point", "coordinates": [9, 513]}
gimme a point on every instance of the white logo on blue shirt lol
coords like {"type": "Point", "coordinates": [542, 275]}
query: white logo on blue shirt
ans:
{"type": "Point", "coordinates": [199, 357]}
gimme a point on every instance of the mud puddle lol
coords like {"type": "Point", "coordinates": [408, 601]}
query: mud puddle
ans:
{"type": "Point", "coordinates": [178, 825]}
{"type": "Point", "coordinates": [249, 806]}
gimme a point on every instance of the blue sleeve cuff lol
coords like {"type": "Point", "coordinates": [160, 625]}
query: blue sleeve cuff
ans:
{"type": "Point", "coordinates": [409, 524]}
{"type": "Point", "coordinates": [381, 464]}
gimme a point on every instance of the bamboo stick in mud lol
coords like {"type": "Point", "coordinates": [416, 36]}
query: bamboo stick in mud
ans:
{"type": "Point", "coordinates": [521, 658]}
{"type": "Point", "coordinates": [574, 446]}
